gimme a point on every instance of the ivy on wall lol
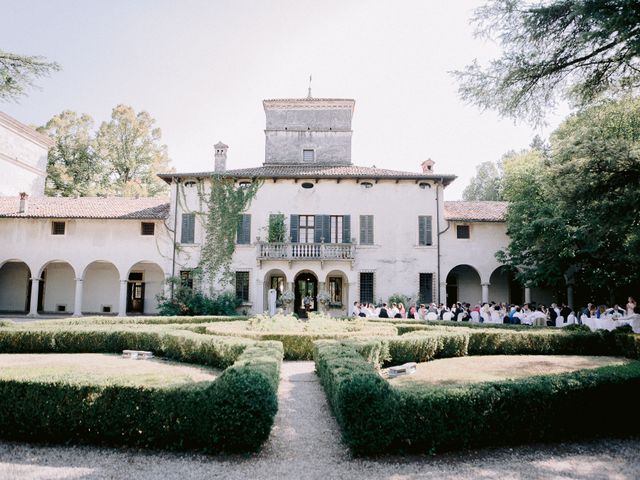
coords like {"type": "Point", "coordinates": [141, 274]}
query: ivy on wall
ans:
{"type": "Point", "coordinates": [277, 228]}
{"type": "Point", "coordinates": [225, 204]}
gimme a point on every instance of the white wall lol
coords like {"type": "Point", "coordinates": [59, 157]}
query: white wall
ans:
{"type": "Point", "coordinates": [101, 287]}
{"type": "Point", "coordinates": [14, 282]}
{"type": "Point", "coordinates": [59, 287]}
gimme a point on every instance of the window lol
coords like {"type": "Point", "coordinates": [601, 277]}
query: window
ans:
{"type": "Point", "coordinates": [366, 229]}
{"type": "Point", "coordinates": [277, 283]}
{"type": "Point", "coordinates": [242, 286]}
{"type": "Point", "coordinates": [462, 231]}
{"type": "Point", "coordinates": [136, 276]}
{"type": "Point", "coordinates": [186, 279]}
{"type": "Point", "coordinates": [58, 228]}
{"type": "Point", "coordinates": [424, 230]}
{"type": "Point", "coordinates": [426, 288]}
{"type": "Point", "coordinates": [308, 155]}
{"type": "Point", "coordinates": [306, 228]}
{"type": "Point", "coordinates": [366, 287]}
{"type": "Point", "coordinates": [366, 184]}
{"type": "Point", "coordinates": [307, 185]}
{"type": "Point", "coordinates": [337, 222]}
{"type": "Point", "coordinates": [147, 228]}
{"type": "Point", "coordinates": [244, 230]}
{"type": "Point", "coordinates": [335, 291]}
{"type": "Point", "coordinates": [188, 227]}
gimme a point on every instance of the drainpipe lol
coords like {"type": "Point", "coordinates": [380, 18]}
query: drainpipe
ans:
{"type": "Point", "coordinates": [175, 228]}
{"type": "Point", "coordinates": [438, 185]}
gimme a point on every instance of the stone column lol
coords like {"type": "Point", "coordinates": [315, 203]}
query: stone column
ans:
{"type": "Point", "coordinates": [33, 304]}
{"type": "Point", "coordinates": [485, 292]}
{"type": "Point", "coordinates": [77, 304]}
{"type": "Point", "coordinates": [259, 305]}
{"type": "Point", "coordinates": [351, 296]}
{"type": "Point", "coordinates": [527, 295]}
{"type": "Point", "coordinates": [122, 304]}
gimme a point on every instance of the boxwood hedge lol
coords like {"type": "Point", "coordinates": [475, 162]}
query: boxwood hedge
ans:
{"type": "Point", "coordinates": [377, 418]}
{"type": "Point", "coordinates": [233, 413]}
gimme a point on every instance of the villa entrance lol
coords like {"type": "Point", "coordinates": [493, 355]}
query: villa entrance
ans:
{"type": "Point", "coordinates": [306, 285]}
{"type": "Point", "coordinates": [135, 293]}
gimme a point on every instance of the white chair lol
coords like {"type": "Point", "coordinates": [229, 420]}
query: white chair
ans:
{"type": "Point", "coordinates": [447, 316]}
{"type": "Point", "coordinates": [460, 315]}
{"type": "Point", "coordinates": [588, 321]}
{"type": "Point", "coordinates": [571, 319]}
{"type": "Point", "coordinates": [495, 316]}
{"type": "Point", "coordinates": [475, 316]}
{"type": "Point", "coordinates": [560, 322]}
{"type": "Point", "coordinates": [432, 316]}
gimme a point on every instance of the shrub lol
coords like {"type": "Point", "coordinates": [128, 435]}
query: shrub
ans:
{"type": "Point", "coordinates": [234, 413]}
{"type": "Point", "coordinates": [376, 418]}
{"type": "Point", "coordinates": [189, 301]}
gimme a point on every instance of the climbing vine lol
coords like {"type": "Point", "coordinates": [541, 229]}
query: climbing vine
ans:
{"type": "Point", "coordinates": [277, 228]}
{"type": "Point", "coordinates": [225, 204]}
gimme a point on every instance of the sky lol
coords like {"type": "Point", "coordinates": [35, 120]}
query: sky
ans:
{"type": "Point", "coordinates": [201, 68]}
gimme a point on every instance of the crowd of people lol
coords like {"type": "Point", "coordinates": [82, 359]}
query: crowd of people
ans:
{"type": "Point", "coordinates": [492, 312]}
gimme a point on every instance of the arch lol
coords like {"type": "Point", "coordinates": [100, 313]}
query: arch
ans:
{"type": "Point", "coordinates": [464, 284]}
{"type": "Point", "coordinates": [101, 287]}
{"type": "Point", "coordinates": [278, 280]}
{"type": "Point", "coordinates": [504, 287]}
{"type": "Point", "coordinates": [57, 287]}
{"type": "Point", "coordinates": [336, 284]}
{"type": "Point", "coordinates": [305, 285]}
{"type": "Point", "coordinates": [145, 281]}
{"type": "Point", "coordinates": [15, 286]}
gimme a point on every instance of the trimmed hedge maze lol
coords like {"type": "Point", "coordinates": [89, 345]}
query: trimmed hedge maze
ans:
{"type": "Point", "coordinates": [233, 413]}
{"type": "Point", "coordinates": [377, 418]}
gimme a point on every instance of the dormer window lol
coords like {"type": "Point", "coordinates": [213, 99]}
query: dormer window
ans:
{"type": "Point", "coordinates": [308, 155]}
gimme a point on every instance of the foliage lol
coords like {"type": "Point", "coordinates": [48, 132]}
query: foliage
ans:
{"type": "Point", "coordinates": [277, 228]}
{"type": "Point", "coordinates": [73, 167]}
{"type": "Point", "coordinates": [234, 413]}
{"type": "Point", "coordinates": [398, 298]}
{"type": "Point", "coordinates": [189, 301]}
{"type": "Point", "coordinates": [376, 418]}
{"type": "Point", "coordinates": [130, 146]}
{"type": "Point", "coordinates": [574, 216]}
{"type": "Point", "coordinates": [225, 205]}
{"type": "Point", "coordinates": [578, 49]}
{"type": "Point", "coordinates": [486, 185]}
{"type": "Point", "coordinates": [18, 72]}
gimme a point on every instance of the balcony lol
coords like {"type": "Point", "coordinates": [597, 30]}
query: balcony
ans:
{"type": "Point", "coordinates": [292, 252]}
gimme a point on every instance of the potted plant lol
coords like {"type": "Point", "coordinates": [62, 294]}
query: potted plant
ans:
{"type": "Point", "coordinates": [323, 299]}
{"type": "Point", "coordinates": [287, 299]}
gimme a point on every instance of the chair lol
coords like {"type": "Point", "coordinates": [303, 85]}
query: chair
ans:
{"type": "Point", "coordinates": [560, 322]}
{"type": "Point", "coordinates": [460, 315]}
{"type": "Point", "coordinates": [495, 316]}
{"type": "Point", "coordinates": [475, 316]}
{"type": "Point", "coordinates": [447, 316]}
{"type": "Point", "coordinates": [432, 316]}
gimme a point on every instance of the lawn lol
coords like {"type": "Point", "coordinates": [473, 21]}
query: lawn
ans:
{"type": "Point", "coordinates": [491, 368]}
{"type": "Point", "coordinates": [102, 369]}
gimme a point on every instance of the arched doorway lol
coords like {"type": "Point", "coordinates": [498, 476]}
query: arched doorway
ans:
{"type": "Point", "coordinates": [15, 287]}
{"type": "Point", "coordinates": [145, 281]}
{"type": "Point", "coordinates": [274, 279]}
{"type": "Point", "coordinates": [306, 284]}
{"type": "Point", "coordinates": [463, 285]}
{"type": "Point", "coordinates": [57, 287]}
{"type": "Point", "coordinates": [504, 287]}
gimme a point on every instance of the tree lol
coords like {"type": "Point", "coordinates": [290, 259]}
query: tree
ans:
{"type": "Point", "coordinates": [581, 50]}
{"type": "Point", "coordinates": [486, 184]}
{"type": "Point", "coordinates": [129, 144]}
{"type": "Point", "coordinates": [18, 73]}
{"type": "Point", "coordinates": [73, 168]}
{"type": "Point", "coordinates": [577, 213]}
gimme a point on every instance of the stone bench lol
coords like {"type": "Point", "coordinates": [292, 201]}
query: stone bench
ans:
{"type": "Point", "coordinates": [137, 354]}
{"type": "Point", "coordinates": [406, 369]}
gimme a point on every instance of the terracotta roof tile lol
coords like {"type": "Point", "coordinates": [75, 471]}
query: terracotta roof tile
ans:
{"type": "Point", "coordinates": [315, 171]}
{"type": "Point", "coordinates": [476, 211]}
{"type": "Point", "coordinates": [86, 207]}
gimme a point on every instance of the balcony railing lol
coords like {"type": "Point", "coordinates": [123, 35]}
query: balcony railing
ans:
{"type": "Point", "coordinates": [305, 251]}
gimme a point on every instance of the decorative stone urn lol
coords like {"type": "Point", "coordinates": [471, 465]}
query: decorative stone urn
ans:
{"type": "Point", "coordinates": [287, 299]}
{"type": "Point", "coordinates": [323, 301]}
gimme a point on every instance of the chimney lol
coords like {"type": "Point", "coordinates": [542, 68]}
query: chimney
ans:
{"type": "Point", "coordinates": [220, 157]}
{"type": "Point", "coordinates": [427, 166]}
{"type": "Point", "coordinates": [23, 202]}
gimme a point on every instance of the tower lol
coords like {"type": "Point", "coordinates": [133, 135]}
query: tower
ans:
{"type": "Point", "coordinates": [220, 157]}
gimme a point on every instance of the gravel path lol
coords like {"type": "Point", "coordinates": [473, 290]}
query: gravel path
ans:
{"type": "Point", "coordinates": [305, 444]}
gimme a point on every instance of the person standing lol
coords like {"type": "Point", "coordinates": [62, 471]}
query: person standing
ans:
{"type": "Point", "coordinates": [631, 307]}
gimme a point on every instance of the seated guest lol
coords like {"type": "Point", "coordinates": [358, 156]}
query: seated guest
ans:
{"type": "Point", "coordinates": [538, 317]}
{"type": "Point", "coordinates": [565, 311]}
{"type": "Point", "coordinates": [413, 312]}
{"type": "Point", "coordinates": [616, 309]}
{"type": "Point", "coordinates": [383, 313]}
{"type": "Point", "coordinates": [357, 312]}
{"type": "Point", "coordinates": [519, 316]}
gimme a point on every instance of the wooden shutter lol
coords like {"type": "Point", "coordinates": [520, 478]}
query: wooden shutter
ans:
{"type": "Point", "coordinates": [366, 229]}
{"type": "Point", "coordinates": [293, 228]}
{"type": "Point", "coordinates": [188, 227]}
{"type": "Point", "coordinates": [326, 228]}
{"type": "Point", "coordinates": [346, 229]}
{"type": "Point", "coordinates": [244, 229]}
{"type": "Point", "coordinates": [425, 236]}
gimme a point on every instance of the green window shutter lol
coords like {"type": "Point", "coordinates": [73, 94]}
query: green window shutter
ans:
{"type": "Point", "coordinates": [188, 228]}
{"type": "Point", "coordinates": [326, 228]}
{"type": "Point", "coordinates": [346, 229]}
{"type": "Point", "coordinates": [425, 236]}
{"type": "Point", "coordinates": [318, 229]}
{"type": "Point", "coordinates": [366, 229]}
{"type": "Point", "coordinates": [293, 228]}
{"type": "Point", "coordinates": [429, 231]}
{"type": "Point", "coordinates": [244, 229]}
